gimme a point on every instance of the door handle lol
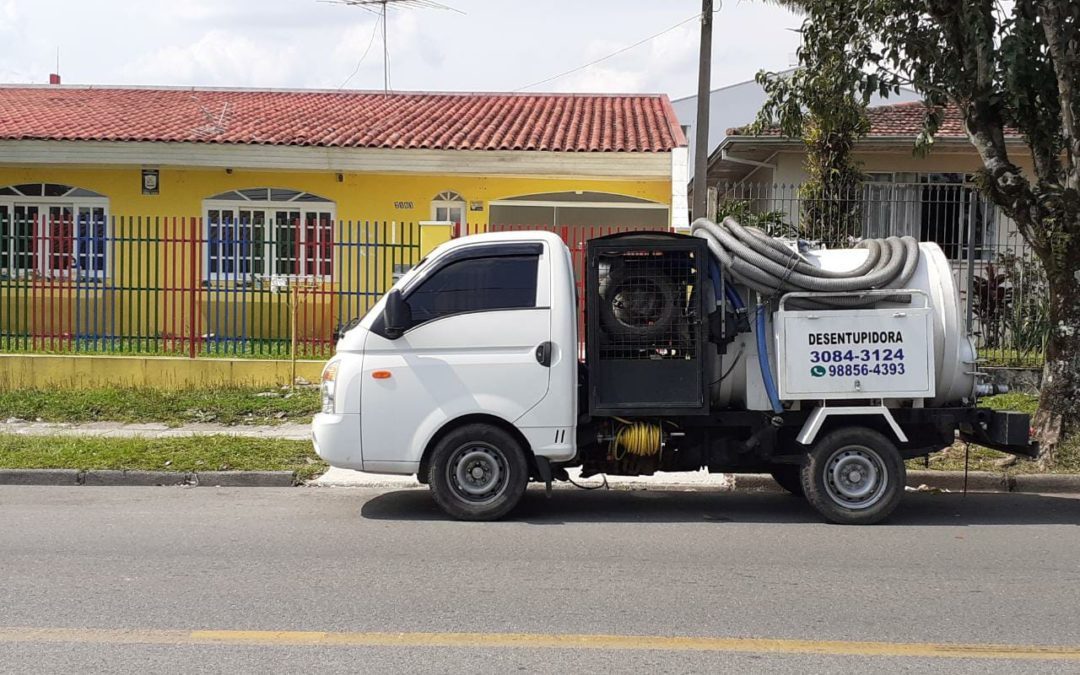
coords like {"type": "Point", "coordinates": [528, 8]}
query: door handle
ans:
{"type": "Point", "coordinates": [543, 354]}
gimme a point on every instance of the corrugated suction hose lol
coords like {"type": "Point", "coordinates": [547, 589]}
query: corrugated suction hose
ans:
{"type": "Point", "coordinates": [769, 267]}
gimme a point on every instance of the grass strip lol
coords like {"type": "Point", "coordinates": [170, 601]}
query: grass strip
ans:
{"type": "Point", "coordinates": [191, 453]}
{"type": "Point", "coordinates": [1025, 403]}
{"type": "Point", "coordinates": [229, 405]}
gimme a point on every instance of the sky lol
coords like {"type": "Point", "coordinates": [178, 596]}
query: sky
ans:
{"type": "Point", "coordinates": [487, 45]}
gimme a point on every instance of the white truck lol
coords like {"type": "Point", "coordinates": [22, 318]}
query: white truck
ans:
{"type": "Point", "coordinates": [470, 375]}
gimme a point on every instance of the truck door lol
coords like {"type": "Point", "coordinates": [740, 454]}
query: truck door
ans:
{"type": "Point", "coordinates": [480, 319]}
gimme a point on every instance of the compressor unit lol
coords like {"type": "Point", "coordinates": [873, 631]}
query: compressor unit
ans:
{"type": "Point", "coordinates": [645, 335]}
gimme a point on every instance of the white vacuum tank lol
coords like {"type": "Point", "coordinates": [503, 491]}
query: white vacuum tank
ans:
{"type": "Point", "coordinates": [948, 354]}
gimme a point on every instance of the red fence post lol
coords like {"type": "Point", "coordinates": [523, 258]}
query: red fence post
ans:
{"type": "Point", "coordinates": [193, 279]}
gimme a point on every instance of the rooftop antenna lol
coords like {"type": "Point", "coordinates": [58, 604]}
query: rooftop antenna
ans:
{"type": "Point", "coordinates": [378, 8]}
{"type": "Point", "coordinates": [54, 77]}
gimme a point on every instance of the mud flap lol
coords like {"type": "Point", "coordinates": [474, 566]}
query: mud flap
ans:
{"type": "Point", "coordinates": [543, 468]}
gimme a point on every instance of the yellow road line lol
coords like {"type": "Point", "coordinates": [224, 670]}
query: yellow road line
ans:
{"type": "Point", "coordinates": [537, 641]}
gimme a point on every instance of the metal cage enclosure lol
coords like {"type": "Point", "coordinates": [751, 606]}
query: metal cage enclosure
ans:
{"type": "Point", "coordinates": [645, 329]}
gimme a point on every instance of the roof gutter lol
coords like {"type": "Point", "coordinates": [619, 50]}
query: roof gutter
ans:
{"type": "Point", "coordinates": [721, 151]}
{"type": "Point", "coordinates": [724, 156]}
{"type": "Point", "coordinates": [778, 140]}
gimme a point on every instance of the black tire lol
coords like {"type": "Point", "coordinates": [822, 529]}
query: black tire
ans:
{"type": "Point", "coordinates": [638, 304]}
{"type": "Point", "coordinates": [789, 477]}
{"type": "Point", "coordinates": [478, 472]}
{"type": "Point", "coordinates": [854, 476]}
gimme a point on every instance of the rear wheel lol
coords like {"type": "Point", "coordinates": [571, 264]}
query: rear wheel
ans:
{"type": "Point", "coordinates": [478, 472]}
{"type": "Point", "coordinates": [789, 477]}
{"type": "Point", "coordinates": [854, 476]}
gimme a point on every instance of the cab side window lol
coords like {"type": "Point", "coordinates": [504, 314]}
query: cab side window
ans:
{"type": "Point", "coordinates": [475, 285]}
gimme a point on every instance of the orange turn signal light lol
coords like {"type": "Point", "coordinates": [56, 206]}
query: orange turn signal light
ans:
{"type": "Point", "coordinates": [380, 374]}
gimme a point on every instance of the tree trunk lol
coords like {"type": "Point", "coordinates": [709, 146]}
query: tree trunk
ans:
{"type": "Point", "coordinates": [1058, 416]}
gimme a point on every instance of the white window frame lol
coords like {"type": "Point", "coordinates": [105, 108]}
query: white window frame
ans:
{"type": "Point", "coordinates": [901, 190]}
{"type": "Point", "coordinates": [236, 200]}
{"type": "Point", "coordinates": [76, 199]}
{"type": "Point", "coordinates": [448, 199]}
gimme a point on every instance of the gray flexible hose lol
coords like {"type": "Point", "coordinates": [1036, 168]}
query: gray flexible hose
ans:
{"type": "Point", "coordinates": [768, 267]}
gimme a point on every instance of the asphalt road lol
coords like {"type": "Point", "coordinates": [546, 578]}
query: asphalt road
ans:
{"type": "Point", "coordinates": [293, 580]}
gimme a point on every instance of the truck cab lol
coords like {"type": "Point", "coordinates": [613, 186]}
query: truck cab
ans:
{"type": "Point", "coordinates": [468, 375]}
{"type": "Point", "coordinates": [481, 334]}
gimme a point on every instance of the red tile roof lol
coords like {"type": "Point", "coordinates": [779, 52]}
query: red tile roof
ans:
{"type": "Point", "coordinates": [906, 119]}
{"type": "Point", "coordinates": [897, 120]}
{"type": "Point", "coordinates": [349, 119]}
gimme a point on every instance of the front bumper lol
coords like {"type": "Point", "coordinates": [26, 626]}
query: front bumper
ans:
{"type": "Point", "coordinates": [337, 440]}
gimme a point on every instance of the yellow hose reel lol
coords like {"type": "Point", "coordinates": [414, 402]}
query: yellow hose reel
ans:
{"type": "Point", "coordinates": [639, 438]}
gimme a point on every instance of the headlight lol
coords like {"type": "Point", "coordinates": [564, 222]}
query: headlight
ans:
{"type": "Point", "coordinates": [329, 386]}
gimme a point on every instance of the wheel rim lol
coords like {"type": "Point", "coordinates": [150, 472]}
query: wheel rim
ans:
{"type": "Point", "coordinates": [855, 477]}
{"type": "Point", "coordinates": [477, 472]}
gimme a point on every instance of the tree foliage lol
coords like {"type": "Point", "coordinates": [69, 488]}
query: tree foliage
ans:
{"type": "Point", "coordinates": [826, 108]}
{"type": "Point", "coordinates": [1008, 69]}
{"type": "Point", "coordinates": [772, 223]}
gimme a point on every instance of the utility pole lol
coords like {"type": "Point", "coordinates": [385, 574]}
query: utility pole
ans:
{"type": "Point", "coordinates": [701, 125]}
{"type": "Point", "coordinates": [385, 53]}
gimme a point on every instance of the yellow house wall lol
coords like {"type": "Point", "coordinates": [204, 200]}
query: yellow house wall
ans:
{"type": "Point", "coordinates": [358, 197]}
{"type": "Point", "coordinates": [41, 371]}
{"type": "Point", "coordinates": [155, 231]}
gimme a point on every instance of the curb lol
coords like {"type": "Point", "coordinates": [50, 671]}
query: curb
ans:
{"type": "Point", "coordinates": [1047, 483]}
{"type": "Point", "coordinates": [952, 481]}
{"type": "Point", "coordinates": [39, 477]}
{"type": "Point", "coordinates": [977, 481]}
{"type": "Point", "coordinates": [109, 478]}
{"type": "Point", "coordinates": [244, 479]}
{"type": "Point", "coordinates": [116, 478]}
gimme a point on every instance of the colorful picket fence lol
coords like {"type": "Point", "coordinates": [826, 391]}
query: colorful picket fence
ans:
{"type": "Point", "coordinates": [203, 288]}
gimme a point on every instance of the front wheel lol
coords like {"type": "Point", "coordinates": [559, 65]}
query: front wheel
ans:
{"type": "Point", "coordinates": [478, 472]}
{"type": "Point", "coordinates": [854, 476]}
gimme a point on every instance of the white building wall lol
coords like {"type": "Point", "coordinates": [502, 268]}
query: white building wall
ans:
{"type": "Point", "coordinates": [680, 176]}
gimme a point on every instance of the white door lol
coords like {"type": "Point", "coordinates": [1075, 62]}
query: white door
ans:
{"type": "Point", "coordinates": [478, 319]}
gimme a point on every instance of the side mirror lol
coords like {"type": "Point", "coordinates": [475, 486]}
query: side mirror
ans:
{"type": "Point", "coordinates": [397, 317]}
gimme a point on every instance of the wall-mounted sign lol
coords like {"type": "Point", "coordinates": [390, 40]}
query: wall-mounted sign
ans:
{"type": "Point", "coordinates": [403, 205]}
{"type": "Point", "coordinates": [476, 206]}
{"type": "Point", "coordinates": [150, 184]}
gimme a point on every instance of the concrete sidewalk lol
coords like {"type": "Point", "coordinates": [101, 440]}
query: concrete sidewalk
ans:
{"type": "Point", "coordinates": [696, 480]}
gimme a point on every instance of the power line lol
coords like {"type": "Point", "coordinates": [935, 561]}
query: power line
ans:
{"type": "Point", "coordinates": [609, 56]}
{"type": "Point", "coordinates": [364, 55]}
